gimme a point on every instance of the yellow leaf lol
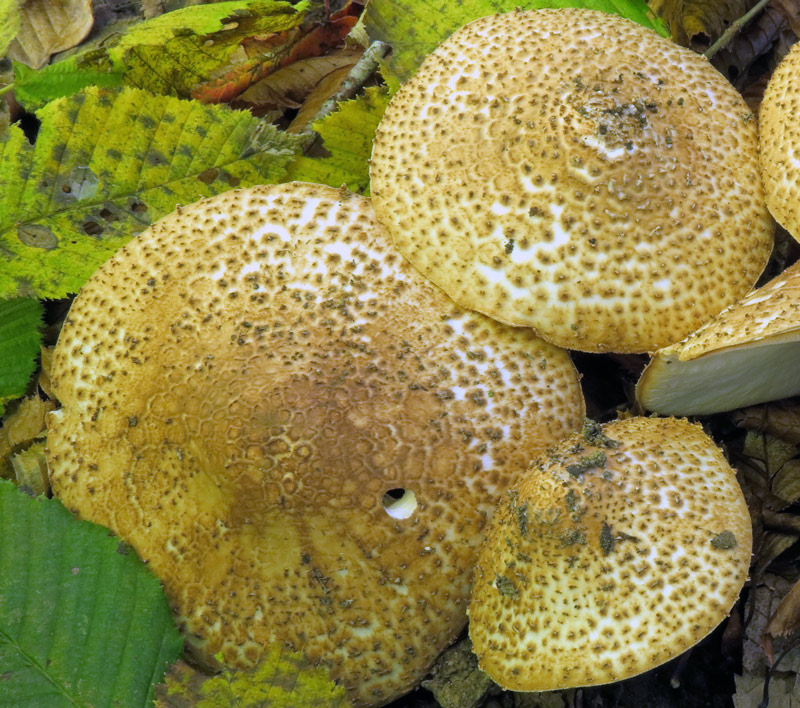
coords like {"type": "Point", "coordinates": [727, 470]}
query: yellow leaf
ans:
{"type": "Point", "coordinates": [30, 469]}
{"type": "Point", "coordinates": [281, 680]}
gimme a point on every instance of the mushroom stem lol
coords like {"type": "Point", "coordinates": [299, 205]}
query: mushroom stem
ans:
{"type": "Point", "coordinates": [355, 80]}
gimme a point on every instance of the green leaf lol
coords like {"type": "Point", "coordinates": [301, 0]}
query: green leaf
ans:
{"type": "Point", "coordinates": [83, 623]}
{"type": "Point", "coordinates": [20, 320]}
{"type": "Point", "coordinates": [105, 165]}
{"type": "Point", "coordinates": [347, 138]}
{"type": "Point", "coordinates": [415, 28]}
{"type": "Point", "coordinates": [281, 680]}
{"type": "Point", "coordinates": [10, 22]}
{"type": "Point", "coordinates": [172, 53]}
{"type": "Point", "coordinates": [64, 78]}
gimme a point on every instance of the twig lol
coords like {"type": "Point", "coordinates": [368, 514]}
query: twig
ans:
{"type": "Point", "coordinates": [733, 30]}
{"type": "Point", "coordinates": [357, 77]}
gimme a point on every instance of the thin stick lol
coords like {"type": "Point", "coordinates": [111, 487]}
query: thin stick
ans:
{"type": "Point", "coordinates": [357, 77]}
{"type": "Point", "coordinates": [734, 29]}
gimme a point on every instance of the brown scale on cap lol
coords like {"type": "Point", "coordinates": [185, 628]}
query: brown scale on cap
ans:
{"type": "Point", "coordinates": [574, 172]}
{"type": "Point", "coordinates": [242, 387]}
{"type": "Point", "coordinates": [779, 142]}
{"type": "Point", "coordinates": [621, 548]}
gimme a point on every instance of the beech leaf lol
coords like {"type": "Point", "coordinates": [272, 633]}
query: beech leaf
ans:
{"type": "Point", "coordinates": [347, 138]}
{"type": "Point", "coordinates": [20, 322]}
{"type": "Point", "coordinates": [83, 623]}
{"type": "Point", "coordinates": [173, 53]}
{"type": "Point", "coordinates": [105, 165]}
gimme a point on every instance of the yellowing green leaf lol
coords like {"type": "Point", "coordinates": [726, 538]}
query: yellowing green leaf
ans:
{"type": "Point", "coordinates": [82, 621]}
{"type": "Point", "coordinates": [415, 27]}
{"type": "Point", "coordinates": [172, 53]}
{"type": "Point", "coordinates": [281, 680]}
{"type": "Point", "coordinates": [105, 165]}
{"type": "Point", "coordinates": [20, 321]}
{"type": "Point", "coordinates": [347, 139]}
{"type": "Point", "coordinates": [10, 22]}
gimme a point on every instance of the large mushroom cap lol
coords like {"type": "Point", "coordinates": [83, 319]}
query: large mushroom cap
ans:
{"type": "Point", "coordinates": [747, 354]}
{"type": "Point", "coordinates": [574, 172]}
{"type": "Point", "coordinates": [779, 142]}
{"type": "Point", "coordinates": [300, 434]}
{"type": "Point", "coordinates": [620, 549]}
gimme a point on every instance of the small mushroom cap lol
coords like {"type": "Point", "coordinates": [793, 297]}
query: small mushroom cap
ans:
{"type": "Point", "coordinates": [747, 354]}
{"type": "Point", "coordinates": [300, 434]}
{"type": "Point", "coordinates": [621, 548]}
{"type": "Point", "coordinates": [779, 142]}
{"type": "Point", "coordinates": [574, 172]}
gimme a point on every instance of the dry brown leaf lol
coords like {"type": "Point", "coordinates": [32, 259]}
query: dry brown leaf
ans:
{"type": "Point", "coordinates": [770, 547]}
{"type": "Point", "coordinates": [784, 691]}
{"type": "Point", "coordinates": [50, 26]}
{"type": "Point", "coordinates": [753, 42]}
{"type": "Point", "coordinates": [693, 22]}
{"type": "Point", "coordinates": [779, 419]}
{"type": "Point", "coordinates": [288, 87]}
{"type": "Point", "coordinates": [762, 603]}
{"type": "Point", "coordinates": [786, 482]}
{"type": "Point", "coordinates": [319, 94]}
{"type": "Point", "coordinates": [785, 621]}
{"type": "Point", "coordinates": [790, 9]}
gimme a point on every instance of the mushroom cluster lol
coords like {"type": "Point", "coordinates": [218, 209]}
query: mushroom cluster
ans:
{"type": "Point", "coordinates": [574, 172]}
{"type": "Point", "coordinates": [305, 437]}
{"type": "Point", "coordinates": [621, 548]}
{"type": "Point", "coordinates": [299, 434]}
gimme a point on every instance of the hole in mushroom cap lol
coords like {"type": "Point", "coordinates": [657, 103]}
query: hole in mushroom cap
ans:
{"type": "Point", "coordinates": [399, 503]}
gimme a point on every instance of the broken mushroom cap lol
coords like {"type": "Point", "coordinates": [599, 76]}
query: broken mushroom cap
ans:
{"type": "Point", "coordinates": [621, 548]}
{"type": "Point", "coordinates": [779, 142]}
{"type": "Point", "coordinates": [299, 434]}
{"type": "Point", "coordinates": [747, 354]}
{"type": "Point", "coordinates": [574, 172]}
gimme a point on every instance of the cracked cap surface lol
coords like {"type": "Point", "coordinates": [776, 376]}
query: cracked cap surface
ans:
{"type": "Point", "coordinates": [574, 172]}
{"type": "Point", "coordinates": [248, 385]}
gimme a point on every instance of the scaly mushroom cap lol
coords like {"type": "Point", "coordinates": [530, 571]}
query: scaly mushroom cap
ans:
{"type": "Point", "coordinates": [779, 142]}
{"type": "Point", "coordinates": [574, 172]}
{"type": "Point", "coordinates": [620, 549]}
{"type": "Point", "coordinates": [747, 354]}
{"type": "Point", "coordinates": [246, 389]}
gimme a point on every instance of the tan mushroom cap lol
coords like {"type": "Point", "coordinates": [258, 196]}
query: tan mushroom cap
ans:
{"type": "Point", "coordinates": [242, 387]}
{"type": "Point", "coordinates": [620, 549]}
{"type": "Point", "coordinates": [747, 354]}
{"type": "Point", "coordinates": [574, 172]}
{"type": "Point", "coordinates": [779, 142]}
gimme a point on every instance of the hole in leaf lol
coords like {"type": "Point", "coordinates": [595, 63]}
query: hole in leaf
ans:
{"type": "Point", "coordinates": [92, 228]}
